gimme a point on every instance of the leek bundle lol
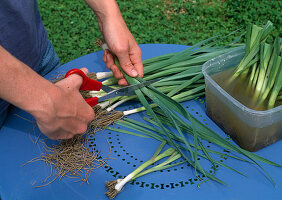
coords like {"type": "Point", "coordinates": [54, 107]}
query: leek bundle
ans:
{"type": "Point", "coordinates": [261, 66]}
{"type": "Point", "coordinates": [180, 74]}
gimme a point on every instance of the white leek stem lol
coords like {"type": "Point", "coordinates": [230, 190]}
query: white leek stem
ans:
{"type": "Point", "coordinates": [96, 93]}
{"type": "Point", "coordinates": [120, 184]}
{"type": "Point", "coordinates": [135, 110]}
{"type": "Point", "coordinates": [105, 46]}
{"type": "Point", "coordinates": [154, 159]}
{"type": "Point", "coordinates": [101, 75]}
{"type": "Point", "coordinates": [105, 104]}
{"type": "Point", "coordinates": [109, 81]}
{"type": "Point", "coordinates": [119, 103]}
{"type": "Point", "coordinates": [110, 101]}
{"type": "Point", "coordinates": [116, 105]}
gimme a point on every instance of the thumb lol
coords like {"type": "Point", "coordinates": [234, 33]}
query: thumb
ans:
{"type": "Point", "coordinates": [78, 80]}
{"type": "Point", "coordinates": [73, 81]}
{"type": "Point", "coordinates": [127, 65]}
{"type": "Point", "coordinates": [85, 70]}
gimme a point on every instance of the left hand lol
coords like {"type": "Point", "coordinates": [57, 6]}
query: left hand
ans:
{"type": "Point", "coordinates": [121, 43]}
{"type": "Point", "coordinates": [119, 40]}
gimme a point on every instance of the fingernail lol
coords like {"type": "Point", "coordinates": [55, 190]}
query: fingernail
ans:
{"type": "Point", "coordinates": [134, 73]}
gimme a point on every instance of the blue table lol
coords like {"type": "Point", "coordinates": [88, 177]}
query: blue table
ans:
{"type": "Point", "coordinates": [17, 147]}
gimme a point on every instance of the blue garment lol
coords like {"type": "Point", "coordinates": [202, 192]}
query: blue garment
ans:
{"type": "Point", "coordinates": [49, 61]}
{"type": "Point", "coordinates": [22, 32]}
{"type": "Point", "coordinates": [23, 35]}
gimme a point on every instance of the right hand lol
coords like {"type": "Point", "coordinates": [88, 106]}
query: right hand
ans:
{"type": "Point", "coordinates": [67, 113]}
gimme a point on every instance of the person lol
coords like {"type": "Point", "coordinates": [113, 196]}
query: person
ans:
{"type": "Point", "coordinates": [26, 55]}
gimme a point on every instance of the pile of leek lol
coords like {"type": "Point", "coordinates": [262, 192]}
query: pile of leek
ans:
{"type": "Point", "coordinates": [178, 70]}
{"type": "Point", "coordinates": [170, 113]}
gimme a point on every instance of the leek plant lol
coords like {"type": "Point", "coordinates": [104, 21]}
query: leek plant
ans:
{"type": "Point", "coordinates": [114, 187]}
{"type": "Point", "coordinates": [261, 66]}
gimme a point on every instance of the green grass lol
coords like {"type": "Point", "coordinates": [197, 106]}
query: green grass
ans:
{"type": "Point", "coordinates": [73, 29]}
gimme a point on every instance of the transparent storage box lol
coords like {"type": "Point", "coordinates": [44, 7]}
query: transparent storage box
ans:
{"type": "Point", "coordinates": [250, 129]}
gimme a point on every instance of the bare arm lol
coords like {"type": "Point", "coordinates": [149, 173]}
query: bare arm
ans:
{"type": "Point", "coordinates": [59, 109]}
{"type": "Point", "coordinates": [119, 39]}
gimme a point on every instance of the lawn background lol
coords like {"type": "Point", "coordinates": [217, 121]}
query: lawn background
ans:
{"type": "Point", "coordinates": [72, 27]}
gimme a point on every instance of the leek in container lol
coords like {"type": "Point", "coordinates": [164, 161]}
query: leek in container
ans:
{"type": "Point", "coordinates": [243, 90]}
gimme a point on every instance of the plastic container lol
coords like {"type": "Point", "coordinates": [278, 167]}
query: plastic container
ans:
{"type": "Point", "coordinates": [250, 129]}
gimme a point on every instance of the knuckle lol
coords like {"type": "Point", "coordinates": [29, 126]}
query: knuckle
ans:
{"type": "Point", "coordinates": [121, 50]}
{"type": "Point", "coordinates": [116, 72]}
{"type": "Point", "coordinates": [118, 75]}
{"type": "Point", "coordinates": [128, 65]}
{"type": "Point", "coordinates": [113, 68]}
{"type": "Point", "coordinates": [109, 66]}
{"type": "Point", "coordinates": [122, 82]}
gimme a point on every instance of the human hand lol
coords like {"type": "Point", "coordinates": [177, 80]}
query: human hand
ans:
{"type": "Point", "coordinates": [119, 40]}
{"type": "Point", "coordinates": [122, 44]}
{"type": "Point", "coordinates": [67, 113]}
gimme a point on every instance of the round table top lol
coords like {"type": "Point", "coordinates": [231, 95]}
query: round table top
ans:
{"type": "Point", "coordinates": [20, 142]}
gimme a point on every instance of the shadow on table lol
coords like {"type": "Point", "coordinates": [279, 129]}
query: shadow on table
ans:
{"type": "Point", "coordinates": [25, 123]}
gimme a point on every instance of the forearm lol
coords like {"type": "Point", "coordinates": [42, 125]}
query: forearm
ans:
{"type": "Point", "coordinates": [104, 8]}
{"type": "Point", "coordinates": [119, 40]}
{"type": "Point", "coordinates": [21, 86]}
{"type": "Point", "coordinates": [107, 11]}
